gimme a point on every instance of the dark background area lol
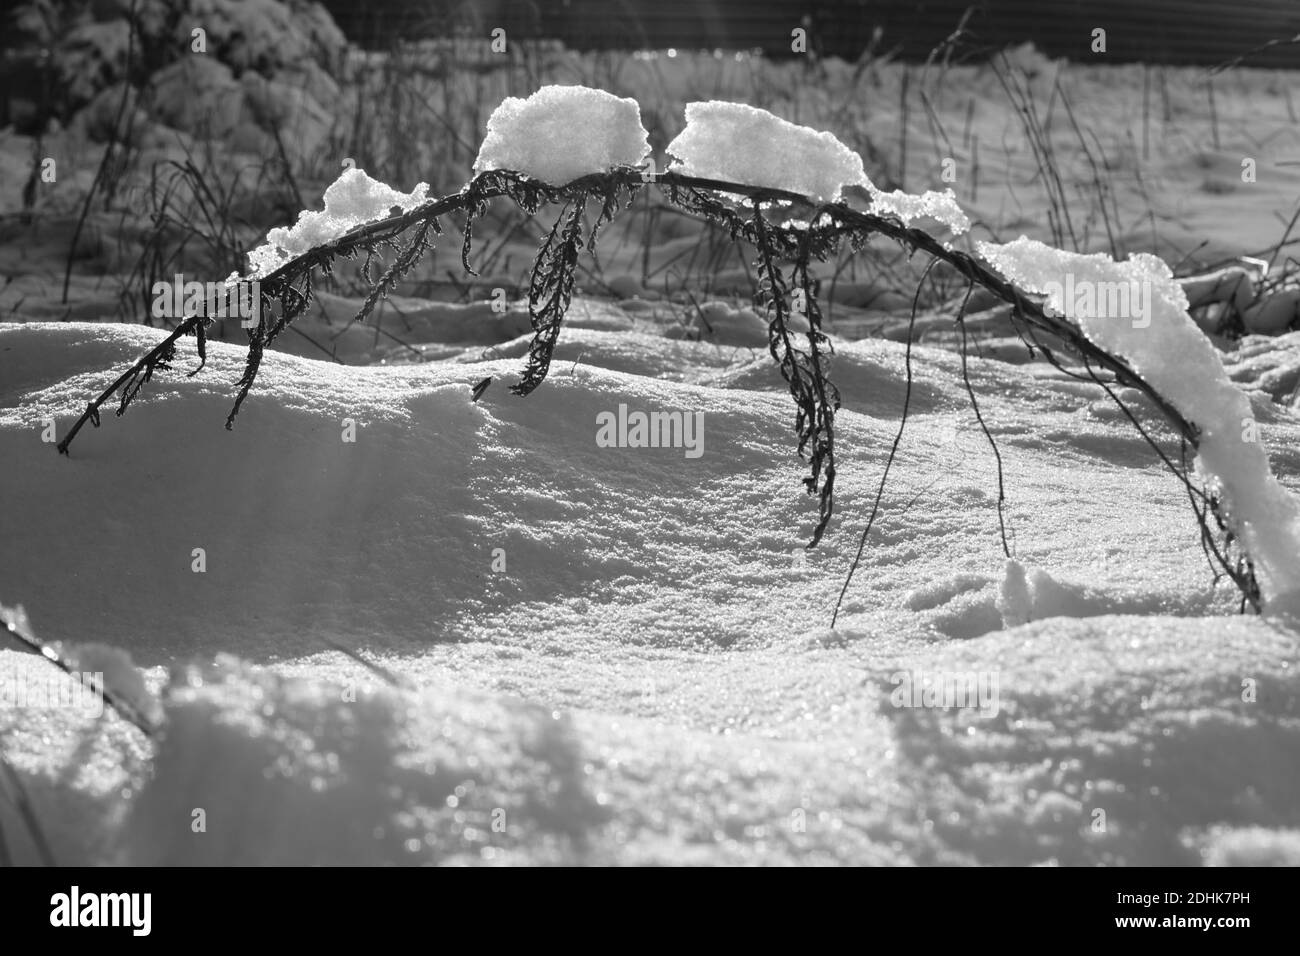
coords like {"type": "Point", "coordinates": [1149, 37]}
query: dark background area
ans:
{"type": "Point", "coordinates": [1204, 32]}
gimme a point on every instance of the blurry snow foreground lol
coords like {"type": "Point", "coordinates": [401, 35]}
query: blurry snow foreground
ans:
{"type": "Point", "coordinates": [561, 133]}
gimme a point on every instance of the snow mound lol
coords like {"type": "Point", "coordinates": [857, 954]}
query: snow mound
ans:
{"type": "Point", "coordinates": [352, 200]}
{"type": "Point", "coordinates": [719, 323]}
{"type": "Point", "coordinates": [1014, 602]}
{"type": "Point", "coordinates": [1138, 311]}
{"type": "Point", "coordinates": [935, 593]}
{"type": "Point", "coordinates": [1031, 594]}
{"type": "Point", "coordinates": [747, 145]}
{"type": "Point", "coordinates": [561, 133]}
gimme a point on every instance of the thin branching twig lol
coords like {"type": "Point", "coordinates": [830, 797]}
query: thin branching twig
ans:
{"type": "Point", "coordinates": [743, 211]}
{"type": "Point", "coordinates": [893, 450]}
{"type": "Point", "coordinates": [979, 417]}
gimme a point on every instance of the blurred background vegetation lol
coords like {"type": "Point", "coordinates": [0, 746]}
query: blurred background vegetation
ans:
{"type": "Point", "coordinates": [128, 154]}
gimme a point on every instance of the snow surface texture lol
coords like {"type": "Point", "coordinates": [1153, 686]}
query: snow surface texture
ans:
{"type": "Point", "coordinates": [561, 133]}
{"type": "Point", "coordinates": [352, 200]}
{"type": "Point", "coordinates": [746, 145]}
{"type": "Point", "coordinates": [648, 678]}
{"type": "Point", "coordinates": [1168, 349]}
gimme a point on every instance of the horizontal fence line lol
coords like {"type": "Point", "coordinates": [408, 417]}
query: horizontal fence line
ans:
{"type": "Point", "coordinates": [1177, 32]}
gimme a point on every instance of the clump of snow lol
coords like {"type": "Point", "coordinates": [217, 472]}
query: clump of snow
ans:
{"type": "Point", "coordinates": [1014, 601]}
{"type": "Point", "coordinates": [747, 145]}
{"type": "Point", "coordinates": [940, 206]}
{"type": "Point", "coordinates": [352, 200]}
{"type": "Point", "coordinates": [1163, 344]}
{"type": "Point", "coordinates": [561, 133]}
{"type": "Point", "coordinates": [1031, 594]}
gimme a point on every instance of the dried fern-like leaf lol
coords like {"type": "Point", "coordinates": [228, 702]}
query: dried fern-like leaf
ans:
{"type": "Point", "coordinates": [159, 361]}
{"type": "Point", "coordinates": [257, 342]}
{"type": "Point", "coordinates": [816, 398]}
{"type": "Point", "coordinates": [550, 289]}
{"type": "Point", "coordinates": [408, 257]}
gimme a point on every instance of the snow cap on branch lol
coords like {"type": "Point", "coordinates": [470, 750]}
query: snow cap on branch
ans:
{"type": "Point", "coordinates": [1137, 311]}
{"type": "Point", "coordinates": [350, 201]}
{"type": "Point", "coordinates": [746, 145]}
{"type": "Point", "coordinates": [561, 133]}
{"type": "Point", "coordinates": [939, 206]}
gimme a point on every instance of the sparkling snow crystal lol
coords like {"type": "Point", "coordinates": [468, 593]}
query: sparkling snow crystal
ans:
{"type": "Point", "coordinates": [1137, 310]}
{"type": "Point", "coordinates": [562, 133]}
{"type": "Point", "coordinates": [746, 145]}
{"type": "Point", "coordinates": [351, 200]}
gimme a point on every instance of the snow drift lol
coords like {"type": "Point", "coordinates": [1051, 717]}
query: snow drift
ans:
{"type": "Point", "coordinates": [613, 654]}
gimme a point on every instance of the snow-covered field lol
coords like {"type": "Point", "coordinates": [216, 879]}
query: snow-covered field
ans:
{"type": "Point", "coordinates": [611, 652]}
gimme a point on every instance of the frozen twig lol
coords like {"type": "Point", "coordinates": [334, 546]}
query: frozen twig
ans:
{"type": "Point", "coordinates": [715, 200]}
